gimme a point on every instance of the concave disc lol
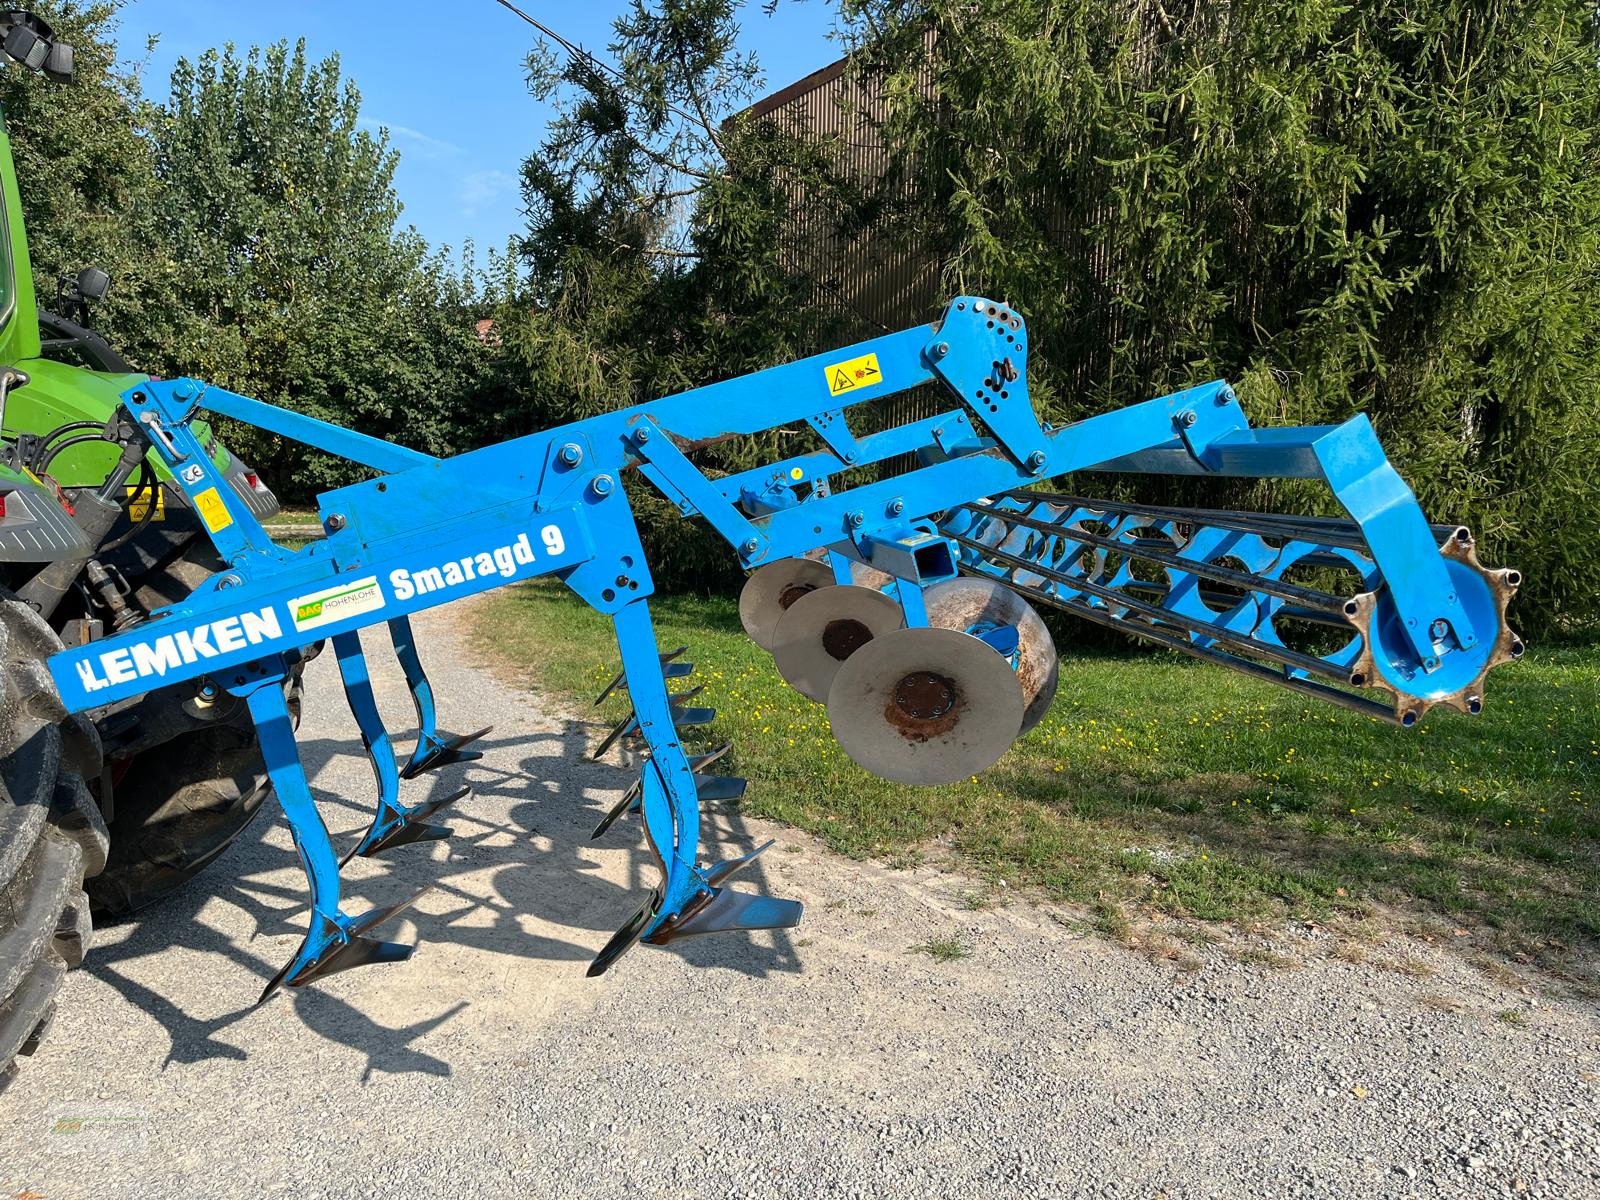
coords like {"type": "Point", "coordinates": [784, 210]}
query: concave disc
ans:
{"type": "Point", "coordinates": [769, 592]}
{"type": "Point", "coordinates": [970, 605]}
{"type": "Point", "coordinates": [823, 629]}
{"type": "Point", "coordinates": [925, 706]}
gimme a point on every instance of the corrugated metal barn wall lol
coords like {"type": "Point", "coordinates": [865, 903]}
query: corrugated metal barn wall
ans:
{"type": "Point", "coordinates": [875, 282]}
{"type": "Point", "coordinates": [871, 283]}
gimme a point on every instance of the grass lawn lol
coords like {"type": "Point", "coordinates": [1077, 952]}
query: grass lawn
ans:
{"type": "Point", "coordinates": [291, 517]}
{"type": "Point", "coordinates": [1166, 787]}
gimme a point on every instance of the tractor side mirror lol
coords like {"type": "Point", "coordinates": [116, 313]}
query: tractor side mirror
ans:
{"type": "Point", "coordinates": [73, 296]}
{"type": "Point", "coordinates": [93, 284]}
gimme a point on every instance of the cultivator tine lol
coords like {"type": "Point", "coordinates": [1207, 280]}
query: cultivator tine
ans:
{"type": "Point", "coordinates": [393, 824]}
{"type": "Point", "coordinates": [443, 752]}
{"type": "Point", "coordinates": [709, 789]}
{"type": "Point", "coordinates": [683, 716]}
{"type": "Point", "coordinates": [414, 828]}
{"type": "Point", "coordinates": [630, 798]}
{"type": "Point", "coordinates": [726, 910]}
{"type": "Point", "coordinates": [629, 803]}
{"type": "Point", "coordinates": [714, 789]}
{"type": "Point", "coordinates": [669, 798]}
{"type": "Point", "coordinates": [689, 718]}
{"type": "Point", "coordinates": [623, 939]}
{"type": "Point", "coordinates": [345, 947]}
{"type": "Point", "coordinates": [670, 669]}
{"type": "Point", "coordinates": [334, 941]}
{"type": "Point", "coordinates": [698, 762]}
{"type": "Point", "coordinates": [724, 871]}
{"type": "Point", "coordinates": [433, 749]}
{"type": "Point", "coordinates": [627, 725]}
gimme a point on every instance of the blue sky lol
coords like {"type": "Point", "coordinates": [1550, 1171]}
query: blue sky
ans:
{"type": "Point", "coordinates": [462, 127]}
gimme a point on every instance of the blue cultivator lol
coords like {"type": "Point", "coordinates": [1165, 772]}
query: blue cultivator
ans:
{"type": "Point", "coordinates": [928, 677]}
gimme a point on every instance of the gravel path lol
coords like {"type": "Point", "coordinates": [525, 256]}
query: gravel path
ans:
{"type": "Point", "coordinates": [828, 1061]}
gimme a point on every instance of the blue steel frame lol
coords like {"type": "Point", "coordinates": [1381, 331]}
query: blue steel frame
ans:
{"type": "Point", "coordinates": [427, 531]}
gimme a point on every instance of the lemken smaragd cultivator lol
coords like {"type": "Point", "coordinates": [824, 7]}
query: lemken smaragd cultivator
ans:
{"type": "Point", "coordinates": [927, 677]}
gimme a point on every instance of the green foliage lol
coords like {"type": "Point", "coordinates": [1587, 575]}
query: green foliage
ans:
{"type": "Point", "coordinates": [252, 233]}
{"type": "Point", "coordinates": [652, 257]}
{"type": "Point", "coordinates": [292, 282]}
{"type": "Point", "coordinates": [85, 173]}
{"type": "Point", "coordinates": [1386, 207]}
{"type": "Point", "coordinates": [944, 949]}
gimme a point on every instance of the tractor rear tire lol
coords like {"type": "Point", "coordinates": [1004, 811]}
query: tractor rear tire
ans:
{"type": "Point", "coordinates": [179, 805]}
{"type": "Point", "coordinates": [51, 833]}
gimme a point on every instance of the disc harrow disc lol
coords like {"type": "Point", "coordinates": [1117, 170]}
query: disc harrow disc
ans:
{"type": "Point", "coordinates": [823, 629]}
{"type": "Point", "coordinates": [925, 706]}
{"type": "Point", "coordinates": [970, 605]}
{"type": "Point", "coordinates": [769, 592]}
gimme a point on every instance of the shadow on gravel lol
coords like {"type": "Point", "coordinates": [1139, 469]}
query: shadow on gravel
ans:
{"type": "Point", "coordinates": [532, 863]}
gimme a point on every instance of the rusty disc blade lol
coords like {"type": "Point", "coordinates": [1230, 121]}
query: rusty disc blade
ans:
{"type": "Point", "coordinates": [769, 592]}
{"type": "Point", "coordinates": [925, 706]}
{"type": "Point", "coordinates": [823, 629]}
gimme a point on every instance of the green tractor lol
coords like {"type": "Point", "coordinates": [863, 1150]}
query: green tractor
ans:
{"type": "Point", "coordinates": [109, 813]}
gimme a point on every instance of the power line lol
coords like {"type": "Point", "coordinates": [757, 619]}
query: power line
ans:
{"type": "Point", "coordinates": [578, 53]}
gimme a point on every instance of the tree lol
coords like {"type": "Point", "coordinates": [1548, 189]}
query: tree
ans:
{"type": "Point", "coordinates": [652, 261]}
{"type": "Point", "coordinates": [85, 173]}
{"type": "Point", "coordinates": [1387, 207]}
{"type": "Point", "coordinates": [290, 280]}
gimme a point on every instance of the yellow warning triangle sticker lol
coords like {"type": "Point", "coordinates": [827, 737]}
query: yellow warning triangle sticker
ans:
{"type": "Point", "coordinates": [855, 373]}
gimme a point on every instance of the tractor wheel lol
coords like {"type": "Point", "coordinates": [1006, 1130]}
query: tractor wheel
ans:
{"type": "Point", "coordinates": [178, 807]}
{"type": "Point", "coordinates": [51, 833]}
{"type": "Point", "coordinates": [180, 804]}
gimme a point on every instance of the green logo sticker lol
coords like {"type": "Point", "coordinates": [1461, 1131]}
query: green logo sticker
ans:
{"type": "Point", "coordinates": [337, 603]}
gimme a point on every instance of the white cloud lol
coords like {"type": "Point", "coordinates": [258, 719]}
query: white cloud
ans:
{"type": "Point", "coordinates": [414, 140]}
{"type": "Point", "coordinates": [483, 187]}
